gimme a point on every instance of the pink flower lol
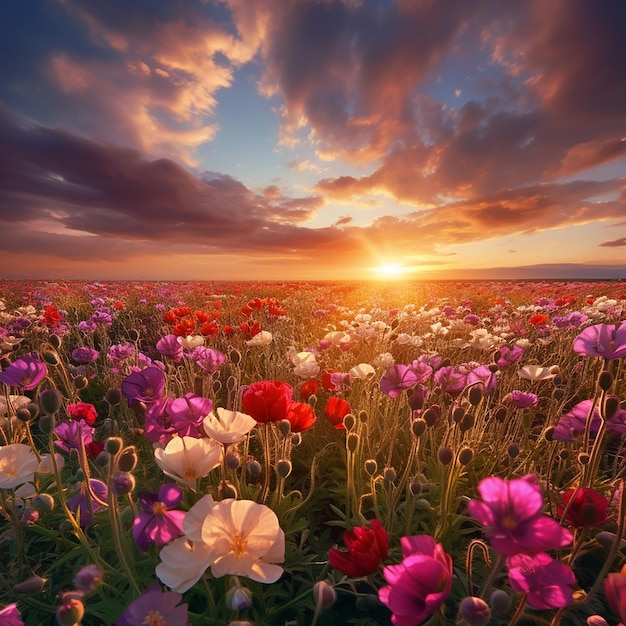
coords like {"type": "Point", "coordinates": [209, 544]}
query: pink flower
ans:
{"type": "Point", "coordinates": [10, 616]}
{"type": "Point", "coordinates": [396, 379]}
{"type": "Point", "coordinates": [158, 523]}
{"type": "Point", "coordinates": [25, 373]}
{"type": "Point", "coordinates": [420, 584]}
{"type": "Point", "coordinates": [547, 582]}
{"type": "Point", "coordinates": [615, 592]}
{"type": "Point", "coordinates": [521, 399]}
{"type": "Point", "coordinates": [605, 340]}
{"type": "Point", "coordinates": [512, 513]}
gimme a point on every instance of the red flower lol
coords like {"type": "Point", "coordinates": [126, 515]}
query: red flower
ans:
{"type": "Point", "coordinates": [51, 316]}
{"type": "Point", "coordinates": [210, 329]}
{"type": "Point", "coordinates": [82, 411]}
{"type": "Point", "coordinates": [336, 409]}
{"type": "Point", "coordinates": [118, 306]}
{"type": "Point", "coordinates": [301, 416]}
{"type": "Point", "coordinates": [539, 319]}
{"type": "Point", "coordinates": [201, 316]}
{"type": "Point", "coordinates": [184, 328]}
{"type": "Point", "coordinates": [583, 507]}
{"type": "Point", "coordinates": [367, 548]}
{"type": "Point", "coordinates": [229, 331]}
{"type": "Point", "coordinates": [308, 389]}
{"type": "Point", "coordinates": [327, 383]}
{"type": "Point", "coordinates": [267, 401]}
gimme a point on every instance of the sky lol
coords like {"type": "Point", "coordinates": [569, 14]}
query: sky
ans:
{"type": "Point", "coordinates": [312, 139]}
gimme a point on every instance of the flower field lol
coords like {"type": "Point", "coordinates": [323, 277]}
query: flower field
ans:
{"type": "Point", "coordinates": [312, 453]}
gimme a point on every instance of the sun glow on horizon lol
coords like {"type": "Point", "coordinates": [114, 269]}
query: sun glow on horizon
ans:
{"type": "Point", "coordinates": [394, 271]}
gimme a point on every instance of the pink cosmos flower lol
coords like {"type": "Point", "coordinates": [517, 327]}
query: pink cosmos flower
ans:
{"type": "Point", "coordinates": [605, 340]}
{"type": "Point", "coordinates": [188, 413]}
{"type": "Point", "coordinates": [572, 424]}
{"type": "Point", "coordinates": [547, 582]}
{"type": "Point", "coordinates": [25, 373]}
{"type": "Point", "coordinates": [419, 585]}
{"type": "Point", "coordinates": [521, 399]}
{"type": "Point", "coordinates": [512, 513]}
{"type": "Point", "coordinates": [158, 523]}
{"type": "Point", "coordinates": [396, 379]}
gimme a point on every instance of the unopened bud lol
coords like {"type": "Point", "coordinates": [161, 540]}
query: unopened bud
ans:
{"type": "Point", "coordinates": [113, 445]}
{"type": "Point", "coordinates": [352, 442]}
{"type": "Point", "coordinates": [283, 468]}
{"type": "Point", "coordinates": [475, 611]}
{"type": "Point", "coordinates": [43, 502]}
{"type": "Point", "coordinates": [605, 380]}
{"type": "Point", "coordinates": [254, 468]}
{"type": "Point", "coordinates": [371, 466]}
{"type": "Point", "coordinates": [71, 611]}
{"type": "Point", "coordinates": [415, 487]}
{"type": "Point", "coordinates": [513, 450]}
{"type": "Point", "coordinates": [500, 414]}
{"type": "Point", "coordinates": [113, 396]}
{"type": "Point", "coordinates": [416, 399]}
{"type": "Point", "coordinates": [432, 414]}
{"type": "Point", "coordinates": [611, 405]}
{"type": "Point", "coordinates": [80, 382]}
{"type": "Point", "coordinates": [55, 341]}
{"type": "Point", "coordinates": [475, 395]}
{"type": "Point", "coordinates": [558, 394]}
{"type": "Point", "coordinates": [232, 460]}
{"type": "Point", "coordinates": [467, 422]}
{"type": "Point", "coordinates": [127, 461]}
{"type": "Point", "coordinates": [500, 601]}
{"type": "Point", "coordinates": [419, 426]}
{"type": "Point", "coordinates": [466, 456]}
{"type": "Point", "coordinates": [493, 367]}
{"type": "Point", "coordinates": [284, 426]}
{"type": "Point", "coordinates": [445, 455]}
{"type": "Point", "coordinates": [596, 620]}
{"type": "Point", "coordinates": [549, 433]}
{"type": "Point", "coordinates": [46, 424]}
{"type": "Point", "coordinates": [122, 484]}
{"type": "Point", "coordinates": [88, 578]}
{"type": "Point", "coordinates": [608, 539]}
{"type": "Point", "coordinates": [349, 421]}
{"type": "Point", "coordinates": [367, 603]}
{"type": "Point", "coordinates": [133, 334]}
{"type": "Point", "coordinates": [30, 586]}
{"type": "Point", "coordinates": [23, 414]}
{"type": "Point", "coordinates": [33, 409]}
{"type": "Point", "coordinates": [50, 401]}
{"type": "Point", "coordinates": [363, 416]}
{"type": "Point", "coordinates": [234, 356]}
{"type": "Point", "coordinates": [564, 455]}
{"type": "Point", "coordinates": [389, 474]}
{"type": "Point", "coordinates": [458, 414]}
{"type": "Point", "coordinates": [50, 357]}
{"type": "Point", "coordinates": [217, 386]}
{"type": "Point", "coordinates": [296, 439]}
{"type": "Point", "coordinates": [324, 594]}
{"type": "Point", "coordinates": [584, 458]}
{"type": "Point", "coordinates": [238, 598]}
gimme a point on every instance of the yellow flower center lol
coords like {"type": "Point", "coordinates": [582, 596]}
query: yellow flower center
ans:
{"type": "Point", "coordinates": [158, 508]}
{"type": "Point", "coordinates": [190, 473]}
{"type": "Point", "coordinates": [238, 544]}
{"type": "Point", "coordinates": [509, 522]}
{"type": "Point", "coordinates": [154, 618]}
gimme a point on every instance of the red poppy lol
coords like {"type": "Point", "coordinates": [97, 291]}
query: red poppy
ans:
{"type": "Point", "coordinates": [170, 318]}
{"type": "Point", "coordinates": [118, 306]}
{"type": "Point", "coordinates": [250, 329]}
{"type": "Point", "coordinates": [367, 548]}
{"type": "Point", "coordinates": [585, 507]}
{"type": "Point", "coordinates": [229, 331]}
{"type": "Point", "coordinates": [308, 389]}
{"type": "Point", "coordinates": [210, 329]}
{"type": "Point", "coordinates": [184, 328]}
{"type": "Point", "coordinates": [201, 316]}
{"type": "Point", "coordinates": [51, 316]}
{"type": "Point", "coordinates": [181, 311]}
{"type": "Point", "coordinates": [82, 411]}
{"type": "Point", "coordinates": [539, 319]}
{"type": "Point", "coordinates": [267, 400]}
{"type": "Point", "coordinates": [301, 416]}
{"type": "Point", "coordinates": [327, 383]}
{"type": "Point", "coordinates": [336, 409]}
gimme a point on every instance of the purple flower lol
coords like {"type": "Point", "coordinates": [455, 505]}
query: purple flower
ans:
{"type": "Point", "coordinates": [396, 379]}
{"type": "Point", "coordinates": [207, 359]}
{"type": "Point", "coordinates": [26, 372]}
{"type": "Point", "coordinates": [511, 511]}
{"type": "Point", "coordinates": [158, 424]}
{"type": "Point", "coordinates": [422, 370]}
{"type": "Point", "coordinates": [120, 351]}
{"type": "Point", "coordinates": [451, 379]}
{"type": "Point", "coordinates": [155, 607]}
{"type": "Point", "coordinates": [471, 318]}
{"type": "Point", "coordinates": [521, 399]}
{"type": "Point", "coordinates": [10, 616]}
{"type": "Point", "coordinates": [73, 435]}
{"type": "Point", "coordinates": [419, 585]}
{"type": "Point", "coordinates": [102, 318]}
{"type": "Point", "coordinates": [605, 340]}
{"type": "Point", "coordinates": [508, 356]}
{"type": "Point", "coordinates": [188, 413]}
{"type": "Point", "coordinates": [572, 424]}
{"type": "Point", "coordinates": [84, 355]}
{"type": "Point", "coordinates": [157, 523]}
{"type": "Point", "coordinates": [573, 320]}
{"type": "Point", "coordinates": [147, 385]}
{"type": "Point", "coordinates": [168, 346]}
{"type": "Point", "coordinates": [84, 501]}
{"type": "Point", "coordinates": [547, 582]}
{"type": "Point", "coordinates": [482, 374]}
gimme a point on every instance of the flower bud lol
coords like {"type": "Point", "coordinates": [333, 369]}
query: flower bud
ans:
{"type": "Point", "coordinates": [371, 466]}
{"type": "Point", "coordinates": [80, 382]}
{"type": "Point", "coordinates": [549, 433]}
{"type": "Point", "coordinates": [419, 426]}
{"type": "Point", "coordinates": [513, 449]}
{"type": "Point", "coordinates": [349, 421]}
{"type": "Point", "coordinates": [234, 356]}
{"type": "Point", "coordinates": [71, 611]}
{"type": "Point", "coordinates": [500, 601]}
{"type": "Point", "coordinates": [445, 455]}
{"type": "Point", "coordinates": [128, 460]}
{"type": "Point", "coordinates": [416, 399]}
{"type": "Point", "coordinates": [352, 442]}
{"type": "Point", "coordinates": [217, 386]}
{"type": "Point", "coordinates": [558, 394]}
{"type": "Point", "coordinates": [389, 474]}
{"type": "Point", "coordinates": [238, 598]}
{"type": "Point", "coordinates": [102, 460]}
{"type": "Point", "coordinates": [122, 484]}
{"type": "Point", "coordinates": [50, 357]}
{"type": "Point", "coordinates": [55, 341]}
{"type": "Point", "coordinates": [475, 395]}
{"type": "Point", "coordinates": [284, 426]}
{"type": "Point", "coordinates": [367, 603]}
{"type": "Point", "coordinates": [226, 490]}
{"type": "Point", "coordinates": [23, 414]}
{"type": "Point", "coordinates": [596, 620]}
{"type": "Point", "coordinates": [88, 578]}
{"type": "Point", "coordinates": [43, 502]}
{"type": "Point", "coordinates": [113, 396]}
{"type": "Point", "coordinates": [608, 539]}
{"type": "Point", "coordinates": [254, 468]}
{"type": "Point", "coordinates": [605, 380]}
{"type": "Point", "coordinates": [46, 424]}
{"type": "Point", "coordinates": [500, 414]}
{"type": "Point", "coordinates": [283, 468]}
{"type": "Point", "coordinates": [324, 594]}
{"type": "Point", "coordinates": [50, 401]}
{"type": "Point", "coordinates": [458, 414]}
{"type": "Point", "coordinates": [466, 455]}
{"type": "Point", "coordinates": [415, 487]}
{"type": "Point", "coordinates": [33, 409]}
{"type": "Point", "coordinates": [564, 455]}
{"type": "Point", "coordinates": [363, 416]}
{"type": "Point", "coordinates": [30, 586]}
{"type": "Point", "coordinates": [475, 611]}
{"type": "Point", "coordinates": [610, 407]}
{"type": "Point", "coordinates": [432, 414]}
{"type": "Point", "coordinates": [133, 335]}
{"type": "Point", "coordinates": [467, 422]}
{"type": "Point", "coordinates": [113, 445]}
{"type": "Point", "coordinates": [232, 461]}
{"type": "Point", "coordinates": [296, 439]}
{"type": "Point", "coordinates": [584, 458]}
{"type": "Point", "coordinates": [493, 367]}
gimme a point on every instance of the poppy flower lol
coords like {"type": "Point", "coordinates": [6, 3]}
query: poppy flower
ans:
{"type": "Point", "coordinates": [10, 616]}
{"type": "Point", "coordinates": [25, 373]}
{"type": "Point", "coordinates": [366, 547]}
{"type": "Point", "coordinates": [158, 523]}
{"type": "Point", "coordinates": [615, 592]}
{"type": "Point", "coordinates": [539, 319]}
{"type": "Point", "coordinates": [82, 411]}
{"type": "Point", "coordinates": [308, 388]}
{"type": "Point", "coordinates": [267, 400]}
{"type": "Point", "coordinates": [605, 340]}
{"type": "Point", "coordinates": [154, 606]}
{"type": "Point", "coordinates": [301, 416]}
{"type": "Point", "coordinates": [335, 410]}
{"type": "Point", "coordinates": [396, 379]}
{"type": "Point", "coordinates": [583, 507]}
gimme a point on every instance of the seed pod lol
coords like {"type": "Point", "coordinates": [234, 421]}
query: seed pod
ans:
{"type": "Point", "coordinates": [234, 356]}
{"type": "Point", "coordinates": [50, 357]}
{"type": "Point", "coordinates": [415, 487]}
{"type": "Point", "coordinates": [371, 466]}
{"type": "Point", "coordinates": [419, 426]}
{"type": "Point", "coordinates": [55, 341]}
{"type": "Point", "coordinates": [349, 421]}
{"type": "Point", "coordinates": [113, 396]}
{"type": "Point", "coordinates": [363, 416]}
{"type": "Point", "coordinates": [475, 395]}
{"type": "Point", "coordinates": [513, 450]}
{"type": "Point", "coordinates": [458, 414]}
{"type": "Point", "coordinates": [467, 422]}
{"type": "Point", "coordinates": [50, 401]}
{"type": "Point", "coordinates": [352, 442]}
{"type": "Point", "coordinates": [445, 455]}
{"type": "Point", "coordinates": [605, 380]}
{"type": "Point", "coordinates": [500, 601]}
{"type": "Point", "coordinates": [466, 455]}
{"type": "Point", "coordinates": [113, 445]}
{"type": "Point", "coordinates": [389, 474]}
{"type": "Point", "coordinates": [611, 405]}
{"type": "Point", "coordinates": [127, 461]}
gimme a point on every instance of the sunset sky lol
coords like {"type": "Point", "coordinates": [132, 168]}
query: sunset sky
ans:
{"type": "Point", "coordinates": [311, 139]}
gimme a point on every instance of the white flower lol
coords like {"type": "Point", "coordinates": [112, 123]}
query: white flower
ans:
{"type": "Point", "coordinates": [536, 372]}
{"type": "Point", "coordinates": [384, 360]}
{"type": "Point", "coordinates": [191, 342]}
{"type": "Point", "coordinates": [45, 464]}
{"type": "Point", "coordinates": [14, 403]}
{"type": "Point", "coordinates": [262, 338]}
{"type": "Point", "coordinates": [306, 366]}
{"type": "Point", "coordinates": [18, 464]}
{"type": "Point", "coordinates": [187, 459]}
{"type": "Point", "coordinates": [228, 427]}
{"type": "Point", "coordinates": [362, 371]}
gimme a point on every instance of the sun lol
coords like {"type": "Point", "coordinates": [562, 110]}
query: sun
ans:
{"type": "Point", "coordinates": [390, 270]}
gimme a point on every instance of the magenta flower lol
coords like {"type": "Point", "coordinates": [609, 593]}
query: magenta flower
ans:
{"type": "Point", "coordinates": [84, 355]}
{"type": "Point", "coordinates": [158, 523]}
{"type": "Point", "coordinates": [155, 607]}
{"type": "Point", "coordinates": [25, 373]}
{"type": "Point", "coordinates": [396, 379]}
{"type": "Point", "coordinates": [511, 511]}
{"type": "Point", "coordinates": [420, 584]}
{"type": "Point", "coordinates": [85, 503]}
{"type": "Point", "coordinates": [158, 427]}
{"type": "Point", "coordinates": [168, 346]}
{"type": "Point", "coordinates": [147, 385]}
{"type": "Point", "coordinates": [10, 616]}
{"type": "Point", "coordinates": [521, 399]}
{"type": "Point", "coordinates": [572, 424]}
{"type": "Point", "coordinates": [482, 374]}
{"type": "Point", "coordinates": [73, 435]}
{"type": "Point", "coordinates": [547, 582]}
{"type": "Point", "coordinates": [615, 592]}
{"type": "Point", "coordinates": [422, 370]}
{"type": "Point", "coordinates": [605, 340]}
{"type": "Point", "coordinates": [508, 356]}
{"type": "Point", "coordinates": [451, 379]}
{"type": "Point", "coordinates": [188, 413]}
{"type": "Point", "coordinates": [207, 359]}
